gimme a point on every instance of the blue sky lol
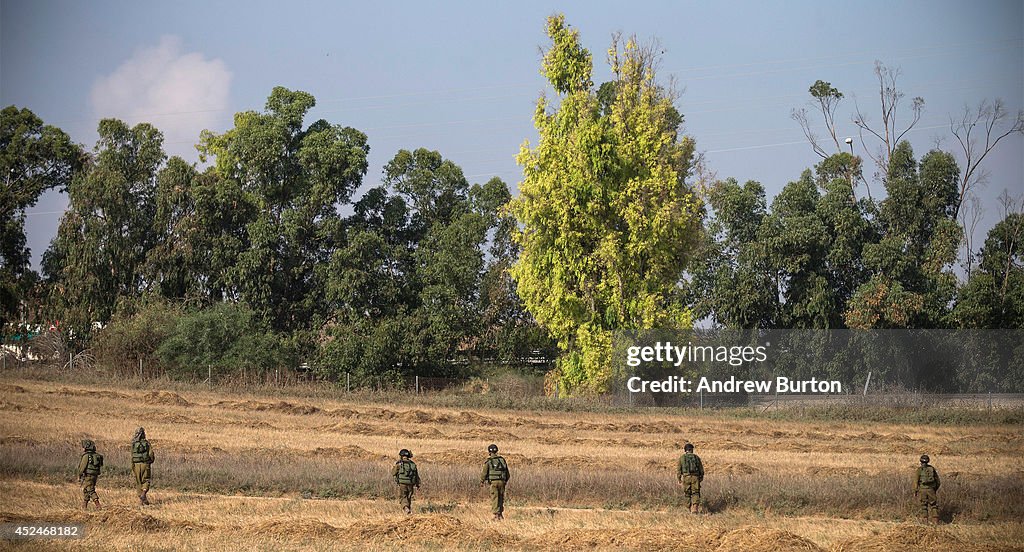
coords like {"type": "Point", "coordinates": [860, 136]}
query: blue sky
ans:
{"type": "Point", "coordinates": [462, 77]}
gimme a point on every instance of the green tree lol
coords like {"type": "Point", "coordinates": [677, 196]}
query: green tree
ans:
{"type": "Point", "coordinates": [201, 226]}
{"type": "Point", "coordinates": [794, 265]}
{"type": "Point", "coordinates": [404, 289]}
{"type": "Point", "coordinates": [507, 330]}
{"type": "Point", "coordinates": [453, 220]}
{"type": "Point", "coordinates": [294, 179]}
{"type": "Point", "coordinates": [814, 238]}
{"type": "Point", "coordinates": [607, 218]}
{"type": "Point", "coordinates": [34, 158]}
{"type": "Point", "coordinates": [370, 290]}
{"type": "Point", "coordinates": [993, 297]}
{"type": "Point", "coordinates": [912, 284]}
{"type": "Point", "coordinates": [99, 252]}
{"type": "Point", "coordinates": [733, 280]}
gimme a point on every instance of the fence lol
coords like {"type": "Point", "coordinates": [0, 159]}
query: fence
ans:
{"type": "Point", "coordinates": [771, 401]}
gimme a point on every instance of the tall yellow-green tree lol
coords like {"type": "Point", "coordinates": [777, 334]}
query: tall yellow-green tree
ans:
{"type": "Point", "coordinates": [606, 219]}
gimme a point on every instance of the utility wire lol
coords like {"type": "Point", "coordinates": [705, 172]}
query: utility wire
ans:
{"type": "Point", "coordinates": [946, 50]}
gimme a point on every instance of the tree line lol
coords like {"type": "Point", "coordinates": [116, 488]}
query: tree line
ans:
{"type": "Point", "coordinates": [265, 258]}
{"type": "Point", "coordinates": [272, 253]}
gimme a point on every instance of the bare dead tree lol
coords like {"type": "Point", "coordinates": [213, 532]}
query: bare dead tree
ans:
{"type": "Point", "coordinates": [972, 216]}
{"type": "Point", "coordinates": [978, 131]}
{"type": "Point", "coordinates": [889, 134]}
{"type": "Point", "coordinates": [826, 99]}
{"type": "Point", "coordinates": [1011, 206]}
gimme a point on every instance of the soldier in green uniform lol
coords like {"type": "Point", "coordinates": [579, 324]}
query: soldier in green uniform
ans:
{"type": "Point", "coordinates": [690, 474]}
{"type": "Point", "coordinates": [407, 477]}
{"type": "Point", "coordinates": [926, 483]}
{"type": "Point", "coordinates": [142, 460]}
{"type": "Point", "coordinates": [88, 471]}
{"type": "Point", "coordinates": [496, 476]}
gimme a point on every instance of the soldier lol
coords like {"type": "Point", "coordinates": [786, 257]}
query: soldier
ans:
{"type": "Point", "coordinates": [88, 471]}
{"type": "Point", "coordinates": [690, 474]}
{"type": "Point", "coordinates": [925, 486]}
{"type": "Point", "coordinates": [142, 460]}
{"type": "Point", "coordinates": [496, 475]}
{"type": "Point", "coordinates": [407, 477]}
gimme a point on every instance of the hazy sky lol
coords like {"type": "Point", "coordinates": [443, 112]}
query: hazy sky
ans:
{"type": "Point", "coordinates": [462, 77]}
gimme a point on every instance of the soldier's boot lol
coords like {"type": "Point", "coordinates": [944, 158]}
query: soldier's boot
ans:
{"type": "Point", "coordinates": [85, 504]}
{"type": "Point", "coordinates": [933, 517]}
{"type": "Point", "coordinates": [97, 502]}
{"type": "Point", "coordinates": [143, 499]}
{"type": "Point", "coordinates": [497, 517]}
{"type": "Point", "coordinates": [407, 510]}
{"type": "Point", "coordinates": [694, 508]}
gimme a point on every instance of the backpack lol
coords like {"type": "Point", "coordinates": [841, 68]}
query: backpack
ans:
{"type": "Point", "coordinates": [140, 451]}
{"type": "Point", "coordinates": [690, 464]}
{"type": "Point", "coordinates": [926, 476]}
{"type": "Point", "coordinates": [94, 463]}
{"type": "Point", "coordinates": [497, 469]}
{"type": "Point", "coordinates": [406, 473]}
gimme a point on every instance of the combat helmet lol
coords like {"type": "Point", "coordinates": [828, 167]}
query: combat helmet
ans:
{"type": "Point", "coordinates": [405, 453]}
{"type": "Point", "coordinates": [925, 459]}
{"type": "Point", "coordinates": [88, 445]}
{"type": "Point", "coordinates": [492, 448]}
{"type": "Point", "coordinates": [688, 447]}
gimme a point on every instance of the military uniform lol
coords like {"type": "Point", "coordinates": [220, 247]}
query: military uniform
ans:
{"type": "Point", "coordinates": [495, 475]}
{"type": "Point", "coordinates": [690, 474]}
{"type": "Point", "coordinates": [88, 472]}
{"type": "Point", "coordinates": [926, 484]}
{"type": "Point", "coordinates": [142, 461]}
{"type": "Point", "coordinates": [407, 477]}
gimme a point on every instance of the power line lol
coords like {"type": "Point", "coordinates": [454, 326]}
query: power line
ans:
{"type": "Point", "coordinates": [932, 52]}
{"type": "Point", "coordinates": [875, 53]}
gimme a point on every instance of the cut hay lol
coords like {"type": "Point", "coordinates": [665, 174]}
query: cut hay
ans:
{"type": "Point", "coordinates": [434, 528]}
{"type": "Point", "coordinates": [763, 539]}
{"type": "Point", "coordinates": [626, 539]}
{"type": "Point", "coordinates": [913, 538]}
{"type": "Point", "coordinates": [292, 529]}
{"type": "Point", "coordinates": [280, 406]}
{"type": "Point", "coordinates": [165, 397]}
{"type": "Point", "coordinates": [87, 393]}
{"type": "Point", "coordinates": [738, 468]}
{"type": "Point", "coordinates": [349, 452]}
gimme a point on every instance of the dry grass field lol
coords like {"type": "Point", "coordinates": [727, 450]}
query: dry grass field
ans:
{"type": "Point", "coordinates": [242, 470]}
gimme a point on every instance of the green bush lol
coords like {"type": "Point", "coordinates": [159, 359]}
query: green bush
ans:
{"type": "Point", "coordinates": [226, 339]}
{"type": "Point", "coordinates": [135, 334]}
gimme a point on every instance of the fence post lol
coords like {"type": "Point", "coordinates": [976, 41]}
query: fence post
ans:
{"type": "Point", "coordinates": [209, 374]}
{"type": "Point", "coordinates": [348, 384]}
{"type": "Point", "coordinates": [140, 367]}
{"type": "Point", "coordinates": [417, 385]}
